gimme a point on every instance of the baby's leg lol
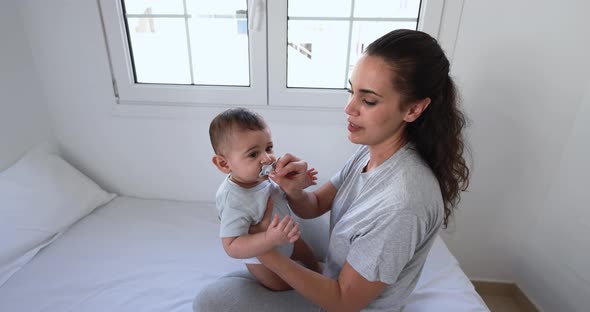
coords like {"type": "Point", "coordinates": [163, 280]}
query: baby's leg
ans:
{"type": "Point", "coordinates": [303, 253]}
{"type": "Point", "coordinates": [267, 277]}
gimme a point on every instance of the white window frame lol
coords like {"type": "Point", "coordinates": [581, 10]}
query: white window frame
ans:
{"type": "Point", "coordinates": [129, 92]}
{"type": "Point", "coordinates": [439, 18]}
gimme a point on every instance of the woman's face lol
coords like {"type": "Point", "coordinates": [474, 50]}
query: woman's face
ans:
{"type": "Point", "coordinates": [374, 114]}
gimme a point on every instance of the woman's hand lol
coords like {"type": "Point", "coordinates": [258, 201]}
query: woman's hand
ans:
{"type": "Point", "coordinates": [292, 175]}
{"type": "Point", "coordinates": [311, 178]}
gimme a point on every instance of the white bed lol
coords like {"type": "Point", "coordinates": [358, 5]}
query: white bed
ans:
{"type": "Point", "coordinates": [152, 255]}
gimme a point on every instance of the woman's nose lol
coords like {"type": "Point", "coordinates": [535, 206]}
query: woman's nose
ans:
{"type": "Point", "coordinates": [351, 108]}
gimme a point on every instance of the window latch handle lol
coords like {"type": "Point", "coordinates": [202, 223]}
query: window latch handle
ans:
{"type": "Point", "coordinates": [256, 10]}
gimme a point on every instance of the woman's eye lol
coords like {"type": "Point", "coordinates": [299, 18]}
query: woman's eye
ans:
{"type": "Point", "coordinates": [349, 91]}
{"type": "Point", "coordinates": [369, 103]}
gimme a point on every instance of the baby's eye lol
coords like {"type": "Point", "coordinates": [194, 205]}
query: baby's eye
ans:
{"type": "Point", "coordinates": [253, 155]}
{"type": "Point", "coordinates": [269, 149]}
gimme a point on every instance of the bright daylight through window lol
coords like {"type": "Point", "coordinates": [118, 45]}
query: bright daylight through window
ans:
{"type": "Point", "coordinates": [186, 42]}
{"type": "Point", "coordinates": [326, 38]}
{"type": "Point", "coordinates": [292, 53]}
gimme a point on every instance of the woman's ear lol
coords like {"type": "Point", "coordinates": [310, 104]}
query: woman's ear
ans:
{"type": "Point", "coordinates": [221, 163]}
{"type": "Point", "coordinates": [416, 109]}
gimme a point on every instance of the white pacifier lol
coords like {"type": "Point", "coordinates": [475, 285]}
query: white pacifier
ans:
{"type": "Point", "coordinates": [267, 169]}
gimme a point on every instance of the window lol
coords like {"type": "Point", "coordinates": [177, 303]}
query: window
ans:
{"type": "Point", "coordinates": [282, 53]}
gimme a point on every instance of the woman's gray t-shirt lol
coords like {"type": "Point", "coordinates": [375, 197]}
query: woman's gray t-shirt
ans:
{"type": "Point", "coordinates": [383, 222]}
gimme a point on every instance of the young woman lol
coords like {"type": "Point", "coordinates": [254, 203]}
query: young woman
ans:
{"type": "Point", "coordinates": [390, 199]}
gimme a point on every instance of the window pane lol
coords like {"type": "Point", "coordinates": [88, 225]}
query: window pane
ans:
{"type": "Point", "coordinates": [323, 8]}
{"type": "Point", "coordinates": [363, 33]}
{"type": "Point", "coordinates": [219, 48]}
{"type": "Point", "coordinates": [159, 50]}
{"type": "Point", "coordinates": [317, 30]}
{"type": "Point", "coordinates": [154, 7]}
{"type": "Point", "coordinates": [387, 8]}
{"type": "Point", "coordinates": [208, 7]}
{"type": "Point", "coordinates": [316, 54]}
{"type": "Point", "coordinates": [219, 42]}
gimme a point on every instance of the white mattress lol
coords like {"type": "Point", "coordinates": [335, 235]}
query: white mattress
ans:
{"type": "Point", "coordinates": [152, 255]}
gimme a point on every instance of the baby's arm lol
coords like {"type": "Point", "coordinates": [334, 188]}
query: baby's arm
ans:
{"type": "Point", "coordinates": [252, 245]}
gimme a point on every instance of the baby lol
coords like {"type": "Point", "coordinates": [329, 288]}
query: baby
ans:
{"type": "Point", "coordinates": [244, 151]}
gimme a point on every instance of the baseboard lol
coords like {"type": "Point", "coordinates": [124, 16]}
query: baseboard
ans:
{"type": "Point", "coordinates": [507, 290]}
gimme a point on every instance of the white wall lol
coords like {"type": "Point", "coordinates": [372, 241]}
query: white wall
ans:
{"type": "Point", "coordinates": [145, 151]}
{"type": "Point", "coordinates": [521, 67]}
{"type": "Point", "coordinates": [554, 263]}
{"type": "Point", "coordinates": [24, 120]}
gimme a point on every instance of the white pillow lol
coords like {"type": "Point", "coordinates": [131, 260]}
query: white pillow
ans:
{"type": "Point", "coordinates": [40, 196]}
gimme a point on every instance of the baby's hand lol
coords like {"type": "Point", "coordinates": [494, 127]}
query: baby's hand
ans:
{"type": "Point", "coordinates": [285, 231]}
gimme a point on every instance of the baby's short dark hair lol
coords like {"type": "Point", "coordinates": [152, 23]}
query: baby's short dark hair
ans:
{"type": "Point", "coordinates": [226, 122]}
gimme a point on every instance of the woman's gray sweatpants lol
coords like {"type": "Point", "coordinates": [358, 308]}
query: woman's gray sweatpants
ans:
{"type": "Point", "coordinates": [239, 291]}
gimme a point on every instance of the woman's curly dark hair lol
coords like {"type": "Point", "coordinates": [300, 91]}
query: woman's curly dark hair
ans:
{"type": "Point", "coordinates": [422, 71]}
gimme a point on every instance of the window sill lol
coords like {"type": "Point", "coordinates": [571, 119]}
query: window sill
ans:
{"type": "Point", "coordinates": [183, 111]}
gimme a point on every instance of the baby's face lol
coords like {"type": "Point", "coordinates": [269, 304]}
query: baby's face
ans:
{"type": "Point", "coordinates": [248, 151]}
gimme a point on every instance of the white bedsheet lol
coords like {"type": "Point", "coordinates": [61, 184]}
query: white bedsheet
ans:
{"type": "Point", "coordinates": [152, 255]}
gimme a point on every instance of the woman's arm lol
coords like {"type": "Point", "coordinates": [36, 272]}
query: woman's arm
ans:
{"type": "Point", "coordinates": [310, 205]}
{"type": "Point", "coordinates": [304, 254]}
{"type": "Point", "coordinates": [292, 176]}
{"type": "Point", "coordinates": [351, 292]}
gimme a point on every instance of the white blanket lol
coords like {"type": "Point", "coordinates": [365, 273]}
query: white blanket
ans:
{"type": "Point", "coordinates": [152, 255]}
